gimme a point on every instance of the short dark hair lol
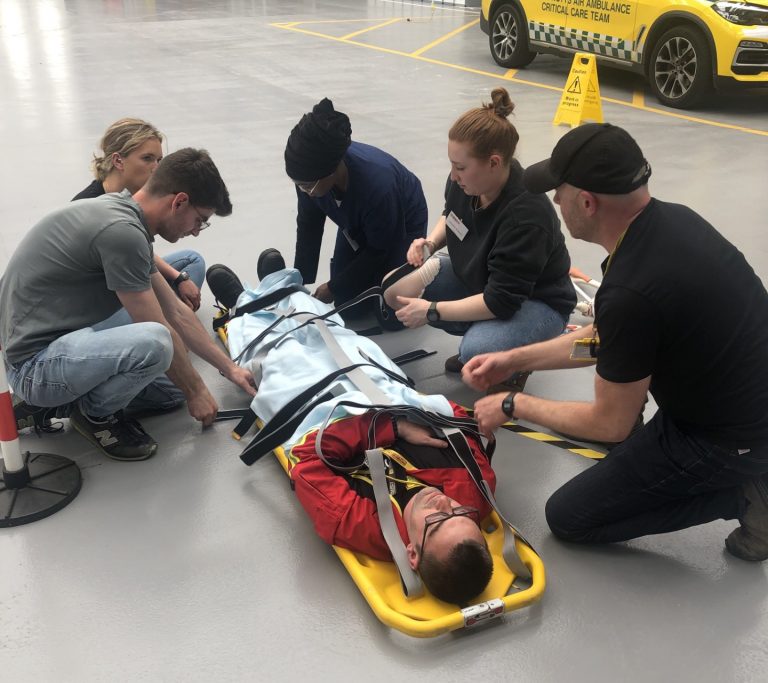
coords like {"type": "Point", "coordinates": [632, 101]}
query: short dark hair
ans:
{"type": "Point", "coordinates": [191, 171]}
{"type": "Point", "coordinates": [460, 577]}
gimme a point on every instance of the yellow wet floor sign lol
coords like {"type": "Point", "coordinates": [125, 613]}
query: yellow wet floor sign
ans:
{"type": "Point", "coordinates": [581, 96]}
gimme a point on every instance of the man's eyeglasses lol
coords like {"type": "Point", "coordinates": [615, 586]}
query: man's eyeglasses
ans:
{"type": "Point", "coordinates": [437, 518]}
{"type": "Point", "coordinates": [309, 187]}
{"type": "Point", "coordinates": [204, 222]}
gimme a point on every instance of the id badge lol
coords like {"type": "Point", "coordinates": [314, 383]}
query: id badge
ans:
{"type": "Point", "coordinates": [585, 349]}
{"type": "Point", "coordinates": [456, 226]}
{"type": "Point", "coordinates": [355, 246]}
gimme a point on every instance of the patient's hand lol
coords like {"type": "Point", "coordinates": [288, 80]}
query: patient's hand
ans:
{"type": "Point", "coordinates": [418, 435]}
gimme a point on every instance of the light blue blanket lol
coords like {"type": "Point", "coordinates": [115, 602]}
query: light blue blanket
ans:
{"type": "Point", "coordinates": [302, 358]}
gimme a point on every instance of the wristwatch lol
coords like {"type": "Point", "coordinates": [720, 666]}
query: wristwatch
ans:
{"type": "Point", "coordinates": [433, 315]}
{"type": "Point", "coordinates": [508, 404]}
{"type": "Point", "coordinates": [182, 277]}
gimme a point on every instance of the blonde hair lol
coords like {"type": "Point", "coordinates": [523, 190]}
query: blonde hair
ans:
{"type": "Point", "coordinates": [123, 137]}
{"type": "Point", "coordinates": [487, 130]}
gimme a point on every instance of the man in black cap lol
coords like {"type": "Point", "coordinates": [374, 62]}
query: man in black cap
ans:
{"type": "Point", "coordinates": [376, 202]}
{"type": "Point", "coordinates": [680, 313]}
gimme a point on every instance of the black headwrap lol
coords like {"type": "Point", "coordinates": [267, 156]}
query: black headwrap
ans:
{"type": "Point", "coordinates": [317, 143]}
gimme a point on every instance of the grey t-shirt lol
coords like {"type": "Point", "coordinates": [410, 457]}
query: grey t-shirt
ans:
{"type": "Point", "coordinates": [64, 274]}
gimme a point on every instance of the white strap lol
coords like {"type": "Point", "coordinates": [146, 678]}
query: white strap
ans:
{"type": "Point", "coordinates": [522, 573]}
{"type": "Point", "coordinates": [412, 585]}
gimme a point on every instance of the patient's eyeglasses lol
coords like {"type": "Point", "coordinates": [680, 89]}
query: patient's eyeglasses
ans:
{"type": "Point", "coordinates": [204, 223]}
{"type": "Point", "coordinates": [437, 518]}
{"type": "Point", "coordinates": [309, 187]}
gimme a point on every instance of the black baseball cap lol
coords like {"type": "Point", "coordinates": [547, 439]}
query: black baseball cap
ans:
{"type": "Point", "coordinates": [597, 157]}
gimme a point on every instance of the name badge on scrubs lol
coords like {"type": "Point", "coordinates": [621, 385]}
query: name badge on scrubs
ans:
{"type": "Point", "coordinates": [457, 227]}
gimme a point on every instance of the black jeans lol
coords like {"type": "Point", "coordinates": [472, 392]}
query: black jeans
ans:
{"type": "Point", "coordinates": [657, 481]}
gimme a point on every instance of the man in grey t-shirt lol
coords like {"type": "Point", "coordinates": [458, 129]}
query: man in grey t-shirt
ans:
{"type": "Point", "coordinates": [82, 263]}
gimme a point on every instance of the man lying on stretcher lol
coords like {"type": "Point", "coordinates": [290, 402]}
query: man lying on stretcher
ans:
{"type": "Point", "coordinates": [436, 503]}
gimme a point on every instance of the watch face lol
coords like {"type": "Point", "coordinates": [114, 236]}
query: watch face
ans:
{"type": "Point", "coordinates": [432, 315]}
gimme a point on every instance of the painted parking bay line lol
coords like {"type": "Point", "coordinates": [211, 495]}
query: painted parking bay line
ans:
{"type": "Point", "coordinates": [371, 28]}
{"type": "Point", "coordinates": [694, 119]}
{"type": "Point", "coordinates": [442, 39]}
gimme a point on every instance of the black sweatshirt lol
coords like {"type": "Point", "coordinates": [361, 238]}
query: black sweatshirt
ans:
{"type": "Point", "coordinates": [514, 249]}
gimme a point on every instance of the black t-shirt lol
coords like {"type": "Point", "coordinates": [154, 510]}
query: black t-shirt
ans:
{"type": "Point", "coordinates": [680, 303]}
{"type": "Point", "coordinates": [514, 249]}
{"type": "Point", "coordinates": [95, 189]}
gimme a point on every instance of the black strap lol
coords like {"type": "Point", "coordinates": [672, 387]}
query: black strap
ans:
{"type": "Point", "coordinates": [257, 304]}
{"type": "Point", "coordinates": [410, 356]}
{"type": "Point", "coordinates": [290, 416]}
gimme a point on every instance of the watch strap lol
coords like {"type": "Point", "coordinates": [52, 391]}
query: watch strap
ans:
{"type": "Point", "coordinates": [183, 276]}
{"type": "Point", "coordinates": [433, 315]}
{"type": "Point", "coordinates": [508, 404]}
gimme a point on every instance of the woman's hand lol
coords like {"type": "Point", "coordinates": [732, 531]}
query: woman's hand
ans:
{"type": "Point", "coordinates": [413, 311]}
{"type": "Point", "coordinates": [415, 255]}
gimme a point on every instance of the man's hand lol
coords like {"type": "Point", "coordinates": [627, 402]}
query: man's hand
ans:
{"type": "Point", "coordinates": [486, 370]}
{"type": "Point", "coordinates": [243, 378]}
{"type": "Point", "coordinates": [415, 255]}
{"type": "Point", "coordinates": [189, 294]}
{"type": "Point", "coordinates": [203, 407]}
{"type": "Point", "coordinates": [324, 294]}
{"type": "Point", "coordinates": [418, 435]}
{"type": "Point", "coordinates": [489, 414]}
{"type": "Point", "coordinates": [413, 312]}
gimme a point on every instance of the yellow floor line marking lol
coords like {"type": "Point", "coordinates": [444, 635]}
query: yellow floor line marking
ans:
{"type": "Point", "coordinates": [327, 21]}
{"type": "Point", "coordinates": [422, 50]}
{"type": "Point", "coordinates": [638, 98]}
{"type": "Point", "coordinates": [371, 28]}
{"type": "Point", "coordinates": [544, 86]}
{"type": "Point", "coordinates": [510, 75]}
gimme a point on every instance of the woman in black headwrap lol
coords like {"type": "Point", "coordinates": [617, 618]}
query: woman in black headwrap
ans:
{"type": "Point", "coordinates": [377, 204]}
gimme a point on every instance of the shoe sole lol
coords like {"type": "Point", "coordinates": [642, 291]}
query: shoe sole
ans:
{"type": "Point", "coordinates": [262, 257]}
{"type": "Point", "coordinates": [219, 267]}
{"type": "Point", "coordinates": [733, 546]}
{"type": "Point", "coordinates": [112, 456]}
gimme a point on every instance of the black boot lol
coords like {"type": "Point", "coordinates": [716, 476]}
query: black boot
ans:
{"type": "Point", "coordinates": [224, 284]}
{"type": "Point", "coordinates": [270, 261]}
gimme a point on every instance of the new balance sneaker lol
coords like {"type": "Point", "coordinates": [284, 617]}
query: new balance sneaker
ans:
{"type": "Point", "coordinates": [270, 261]}
{"type": "Point", "coordinates": [34, 417]}
{"type": "Point", "coordinates": [224, 284]}
{"type": "Point", "coordinates": [750, 540]}
{"type": "Point", "coordinates": [116, 436]}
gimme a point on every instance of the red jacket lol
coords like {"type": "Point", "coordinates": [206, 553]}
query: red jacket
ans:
{"type": "Point", "coordinates": [342, 507]}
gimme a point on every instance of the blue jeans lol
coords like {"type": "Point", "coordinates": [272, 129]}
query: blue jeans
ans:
{"type": "Point", "coordinates": [185, 259]}
{"type": "Point", "coordinates": [659, 480]}
{"type": "Point", "coordinates": [162, 394]}
{"type": "Point", "coordinates": [110, 366]}
{"type": "Point", "coordinates": [103, 370]}
{"type": "Point", "coordinates": [533, 322]}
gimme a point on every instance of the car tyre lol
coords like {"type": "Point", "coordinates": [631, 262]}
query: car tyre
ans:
{"type": "Point", "coordinates": [508, 38]}
{"type": "Point", "coordinates": [680, 70]}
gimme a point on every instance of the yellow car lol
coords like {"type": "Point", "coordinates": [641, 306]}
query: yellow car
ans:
{"type": "Point", "coordinates": [683, 47]}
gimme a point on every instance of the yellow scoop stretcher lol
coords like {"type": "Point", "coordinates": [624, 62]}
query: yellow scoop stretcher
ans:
{"type": "Point", "coordinates": [426, 616]}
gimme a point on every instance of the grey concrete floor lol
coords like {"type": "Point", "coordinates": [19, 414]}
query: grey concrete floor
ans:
{"type": "Point", "coordinates": [192, 567]}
